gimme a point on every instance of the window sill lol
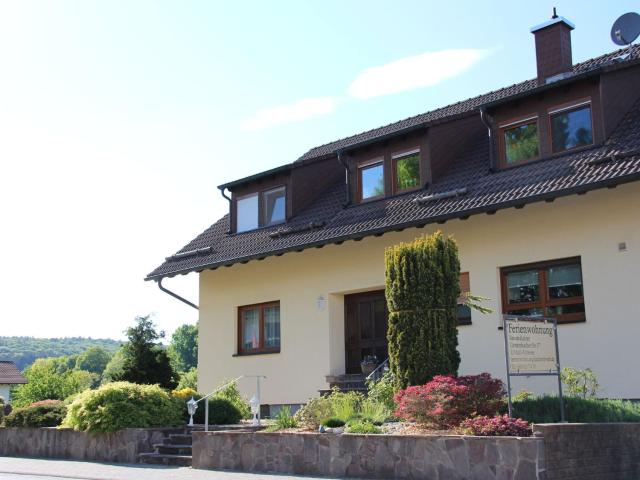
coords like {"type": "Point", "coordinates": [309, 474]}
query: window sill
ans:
{"type": "Point", "coordinates": [250, 354]}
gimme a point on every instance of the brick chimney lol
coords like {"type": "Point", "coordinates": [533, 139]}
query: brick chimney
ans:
{"type": "Point", "coordinates": [553, 48]}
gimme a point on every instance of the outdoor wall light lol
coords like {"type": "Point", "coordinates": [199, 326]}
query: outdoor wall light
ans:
{"type": "Point", "coordinates": [192, 406]}
{"type": "Point", "coordinates": [255, 410]}
{"type": "Point", "coordinates": [321, 303]}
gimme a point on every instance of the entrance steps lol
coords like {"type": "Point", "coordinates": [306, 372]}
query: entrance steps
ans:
{"type": "Point", "coordinates": [348, 382]}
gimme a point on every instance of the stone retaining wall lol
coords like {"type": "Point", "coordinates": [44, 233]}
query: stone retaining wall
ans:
{"type": "Point", "coordinates": [371, 456]}
{"type": "Point", "coordinates": [119, 447]}
{"type": "Point", "coordinates": [591, 451]}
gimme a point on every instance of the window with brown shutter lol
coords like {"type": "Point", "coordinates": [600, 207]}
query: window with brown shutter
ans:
{"type": "Point", "coordinates": [464, 312]}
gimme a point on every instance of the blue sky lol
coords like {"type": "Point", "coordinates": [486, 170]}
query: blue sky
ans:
{"type": "Point", "coordinates": [119, 118]}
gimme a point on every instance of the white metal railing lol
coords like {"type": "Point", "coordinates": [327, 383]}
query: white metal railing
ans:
{"type": "Point", "coordinates": [192, 405]}
{"type": "Point", "coordinates": [378, 372]}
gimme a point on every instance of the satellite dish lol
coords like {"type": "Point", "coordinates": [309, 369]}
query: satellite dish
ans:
{"type": "Point", "coordinates": [626, 29]}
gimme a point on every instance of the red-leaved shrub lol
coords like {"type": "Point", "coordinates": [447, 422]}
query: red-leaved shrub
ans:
{"type": "Point", "coordinates": [446, 400]}
{"type": "Point", "coordinates": [498, 426]}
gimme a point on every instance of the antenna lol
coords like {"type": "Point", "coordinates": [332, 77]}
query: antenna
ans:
{"type": "Point", "coordinates": [626, 29]}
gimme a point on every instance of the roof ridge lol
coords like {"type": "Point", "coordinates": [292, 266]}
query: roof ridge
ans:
{"type": "Point", "coordinates": [574, 67]}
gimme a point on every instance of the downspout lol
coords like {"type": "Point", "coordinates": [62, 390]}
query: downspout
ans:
{"type": "Point", "coordinates": [222, 189]}
{"type": "Point", "coordinates": [488, 122]}
{"type": "Point", "coordinates": [347, 176]}
{"type": "Point", "coordinates": [175, 295]}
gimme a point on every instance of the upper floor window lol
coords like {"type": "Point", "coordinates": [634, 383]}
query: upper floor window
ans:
{"type": "Point", "coordinates": [551, 289]}
{"type": "Point", "coordinates": [520, 141]}
{"type": "Point", "coordinates": [571, 127]}
{"type": "Point", "coordinates": [259, 328]}
{"type": "Point", "coordinates": [371, 179]}
{"type": "Point", "coordinates": [261, 209]}
{"type": "Point", "coordinates": [407, 170]}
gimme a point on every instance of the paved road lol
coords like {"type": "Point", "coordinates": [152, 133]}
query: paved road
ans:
{"type": "Point", "coordinates": [38, 469]}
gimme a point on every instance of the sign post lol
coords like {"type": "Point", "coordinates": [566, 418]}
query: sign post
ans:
{"type": "Point", "coordinates": [531, 349]}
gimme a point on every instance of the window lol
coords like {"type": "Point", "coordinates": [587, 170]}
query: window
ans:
{"type": "Point", "coordinates": [274, 206]}
{"type": "Point", "coordinates": [464, 311]}
{"type": "Point", "coordinates": [571, 127]}
{"type": "Point", "coordinates": [247, 208]}
{"type": "Point", "coordinates": [520, 142]}
{"type": "Point", "coordinates": [407, 171]}
{"type": "Point", "coordinates": [259, 328]}
{"type": "Point", "coordinates": [271, 203]}
{"type": "Point", "coordinates": [552, 289]}
{"type": "Point", "coordinates": [371, 180]}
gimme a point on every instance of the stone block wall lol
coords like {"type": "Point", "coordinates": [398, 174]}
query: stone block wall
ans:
{"type": "Point", "coordinates": [371, 456]}
{"type": "Point", "coordinates": [118, 447]}
{"type": "Point", "coordinates": [591, 451]}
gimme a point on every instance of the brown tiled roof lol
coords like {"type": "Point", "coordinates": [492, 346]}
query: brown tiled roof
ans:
{"type": "Point", "coordinates": [9, 373]}
{"type": "Point", "coordinates": [327, 221]}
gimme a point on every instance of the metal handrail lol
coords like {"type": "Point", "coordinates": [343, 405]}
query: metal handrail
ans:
{"type": "Point", "coordinates": [378, 372]}
{"type": "Point", "coordinates": [194, 403]}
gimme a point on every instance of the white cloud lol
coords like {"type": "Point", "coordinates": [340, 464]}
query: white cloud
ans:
{"type": "Point", "coordinates": [300, 110]}
{"type": "Point", "coordinates": [423, 70]}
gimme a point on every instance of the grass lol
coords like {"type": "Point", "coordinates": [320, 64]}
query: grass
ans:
{"type": "Point", "coordinates": [546, 409]}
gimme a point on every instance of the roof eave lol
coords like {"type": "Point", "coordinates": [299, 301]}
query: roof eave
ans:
{"type": "Point", "coordinates": [580, 189]}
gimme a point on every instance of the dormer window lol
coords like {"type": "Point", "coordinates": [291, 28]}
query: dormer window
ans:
{"type": "Point", "coordinates": [571, 127]}
{"type": "Point", "coordinates": [371, 179]}
{"type": "Point", "coordinates": [261, 209]}
{"type": "Point", "coordinates": [520, 141]}
{"type": "Point", "coordinates": [407, 170]}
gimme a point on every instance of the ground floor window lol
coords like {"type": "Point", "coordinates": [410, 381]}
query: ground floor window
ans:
{"type": "Point", "coordinates": [259, 328]}
{"type": "Point", "coordinates": [551, 289]}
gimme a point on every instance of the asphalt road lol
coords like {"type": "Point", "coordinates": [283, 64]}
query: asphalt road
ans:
{"type": "Point", "coordinates": [37, 469]}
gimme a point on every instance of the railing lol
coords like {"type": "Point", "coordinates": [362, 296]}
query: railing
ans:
{"type": "Point", "coordinates": [192, 405]}
{"type": "Point", "coordinates": [377, 374]}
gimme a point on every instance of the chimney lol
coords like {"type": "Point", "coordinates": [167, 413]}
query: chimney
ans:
{"type": "Point", "coordinates": [553, 48]}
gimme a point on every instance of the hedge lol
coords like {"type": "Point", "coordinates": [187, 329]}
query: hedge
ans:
{"type": "Point", "coordinates": [46, 413]}
{"type": "Point", "coordinates": [546, 409]}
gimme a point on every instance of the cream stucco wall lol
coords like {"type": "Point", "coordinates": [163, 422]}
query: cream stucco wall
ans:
{"type": "Point", "coordinates": [312, 344]}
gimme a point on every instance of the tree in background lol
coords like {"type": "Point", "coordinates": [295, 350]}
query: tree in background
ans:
{"type": "Point", "coordinates": [114, 368]}
{"type": "Point", "coordinates": [94, 360]}
{"type": "Point", "coordinates": [189, 379]}
{"type": "Point", "coordinates": [422, 288]}
{"type": "Point", "coordinates": [48, 382]}
{"type": "Point", "coordinates": [183, 349]}
{"type": "Point", "coordinates": [145, 360]}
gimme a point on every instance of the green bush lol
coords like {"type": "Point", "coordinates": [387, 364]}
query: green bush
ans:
{"type": "Point", "coordinates": [361, 426]}
{"type": "Point", "coordinates": [422, 289]}
{"type": "Point", "coordinates": [231, 393]}
{"type": "Point", "coordinates": [383, 391]}
{"type": "Point", "coordinates": [310, 416]}
{"type": "Point", "coordinates": [580, 383]}
{"type": "Point", "coordinates": [121, 405]}
{"type": "Point", "coordinates": [345, 405]}
{"type": "Point", "coordinates": [546, 409]}
{"type": "Point", "coordinates": [222, 411]}
{"type": "Point", "coordinates": [2, 405]}
{"type": "Point", "coordinates": [374, 412]}
{"type": "Point", "coordinates": [284, 419]}
{"type": "Point", "coordinates": [46, 413]}
{"type": "Point", "coordinates": [333, 422]}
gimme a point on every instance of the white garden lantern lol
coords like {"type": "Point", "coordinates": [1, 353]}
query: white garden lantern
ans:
{"type": "Point", "coordinates": [192, 406]}
{"type": "Point", "coordinates": [255, 410]}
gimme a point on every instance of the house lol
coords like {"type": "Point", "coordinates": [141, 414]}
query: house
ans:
{"type": "Point", "coordinates": [9, 376]}
{"type": "Point", "coordinates": [537, 181]}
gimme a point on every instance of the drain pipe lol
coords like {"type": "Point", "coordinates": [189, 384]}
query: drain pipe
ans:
{"type": "Point", "coordinates": [222, 189]}
{"type": "Point", "coordinates": [347, 176]}
{"type": "Point", "coordinates": [488, 122]}
{"type": "Point", "coordinates": [175, 295]}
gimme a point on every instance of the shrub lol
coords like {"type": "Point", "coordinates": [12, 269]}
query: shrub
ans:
{"type": "Point", "coordinates": [446, 400]}
{"type": "Point", "coordinates": [422, 289]}
{"type": "Point", "coordinates": [383, 391]}
{"type": "Point", "coordinates": [231, 393]}
{"type": "Point", "coordinates": [374, 412]}
{"type": "Point", "coordinates": [121, 405]}
{"type": "Point", "coordinates": [46, 413]}
{"type": "Point", "coordinates": [362, 426]}
{"type": "Point", "coordinates": [184, 394]}
{"type": "Point", "coordinates": [345, 405]}
{"type": "Point", "coordinates": [189, 379]}
{"type": "Point", "coordinates": [580, 383]}
{"type": "Point", "coordinates": [310, 416]}
{"type": "Point", "coordinates": [523, 395]}
{"type": "Point", "coordinates": [498, 426]}
{"type": "Point", "coordinates": [546, 409]}
{"type": "Point", "coordinates": [333, 422]}
{"type": "Point", "coordinates": [222, 411]}
{"type": "Point", "coordinates": [2, 405]}
{"type": "Point", "coordinates": [284, 419]}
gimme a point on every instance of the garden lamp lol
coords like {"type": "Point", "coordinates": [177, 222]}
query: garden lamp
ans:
{"type": "Point", "coordinates": [255, 409]}
{"type": "Point", "coordinates": [192, 406]}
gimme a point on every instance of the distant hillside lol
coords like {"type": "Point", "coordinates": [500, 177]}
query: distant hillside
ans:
{"type": "Point", "coordinates": [24, 350]}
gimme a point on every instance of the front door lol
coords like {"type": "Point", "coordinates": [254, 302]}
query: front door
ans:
{"type": "Point", "coordinates": [365, 328]}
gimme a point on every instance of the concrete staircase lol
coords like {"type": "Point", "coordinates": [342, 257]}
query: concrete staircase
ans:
{"type": "Point", "coordinates": [175, 450]}
{"type": "Point", "coordinates": [348, 382]}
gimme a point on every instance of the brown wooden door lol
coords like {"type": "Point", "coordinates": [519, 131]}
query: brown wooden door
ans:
{"type": "Point", "coordinates": [365, 328]}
